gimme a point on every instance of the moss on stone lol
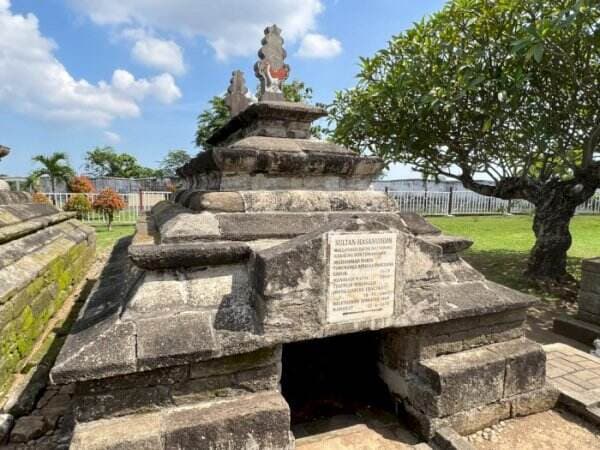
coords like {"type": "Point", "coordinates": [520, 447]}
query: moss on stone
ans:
{"type": "Point", "coordinates": [29, 310]}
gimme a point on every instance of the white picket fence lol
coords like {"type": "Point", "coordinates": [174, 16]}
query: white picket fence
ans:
{"type": "Point", "coordinates": [135, 203]}
{"type": "Point", "coordinates": [470, 203]}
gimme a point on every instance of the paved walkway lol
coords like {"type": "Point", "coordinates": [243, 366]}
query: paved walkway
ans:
{"type": "Point", "coordinates": [576, 374]}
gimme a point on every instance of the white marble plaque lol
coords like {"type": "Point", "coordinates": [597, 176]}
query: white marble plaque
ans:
{"type": "Point", "coordinates": [362, 276]}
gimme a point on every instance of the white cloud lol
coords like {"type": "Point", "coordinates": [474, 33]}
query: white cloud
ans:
{"type": "Point", "coordinates": [232, 27]}
{"type": "Point", "coordinates": [159, 53]}
{"type": "Point", "coordinates": [318, 46]}
{"type": "Point", "coordinates": [112, 138]}
{"type": "Point", "coordinates": [33, 81]}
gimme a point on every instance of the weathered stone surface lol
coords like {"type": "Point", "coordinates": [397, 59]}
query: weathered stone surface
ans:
{"type": "Point", "coordinates": [216, 201]}
{"type": "Point", "coordinates": [260, 420]}
{"type": "Point", "coordinates": [590, 282]}
{"type": "Point", "coordinates": [172, 256]}
{"type": "Point", "coordinates": [184, 335]}
{"type": "Point", "coordinates": [276, 115]}
{"type": "Point", "coordinates": [581, 330]}
{"type": "Point", "coordinates": [589, 302]}
{"type": "Point", "coordinates": [271, 69]}
{"type": "Point", "coordinates": [534, 402]}
{"type": "Point", "coordinates": [453, 383]}
{"type": "Point", "coordinates": [290, 201]}
{"type": "Point", "coordinates": [136, 432]}
{"type": "Point", "coordinates": [447, 439]}
{"type": "Point", "coordinates": [525, 365]}
{"type": "Point", "coordinates": [28, 428]}
{"type": "Point", "coordinates": [236, 99]}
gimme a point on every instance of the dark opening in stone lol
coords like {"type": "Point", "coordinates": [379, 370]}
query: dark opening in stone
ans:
{"type": "Point", "coordinates": [335, 376]}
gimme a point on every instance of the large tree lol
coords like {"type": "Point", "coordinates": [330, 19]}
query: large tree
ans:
{"type": "Point", "coordinates": [55, 165]}
{"type": "Point", "coordinates": [217, 114]}
{"type": "Point", "coordinates": [106, 162]}
{"type": "Point", "coordinates": [508, 89]}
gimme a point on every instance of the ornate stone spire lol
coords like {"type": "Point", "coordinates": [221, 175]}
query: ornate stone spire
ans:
{"type": "Point", "coordinates": [271, 69]}
{"type": "Point", "coordinates": [236, 99]}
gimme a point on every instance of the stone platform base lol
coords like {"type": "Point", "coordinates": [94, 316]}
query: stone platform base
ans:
{"type": "Point", "coordinates": [260, 421]}
{"type": "Point", "coordinates": [579, 330]}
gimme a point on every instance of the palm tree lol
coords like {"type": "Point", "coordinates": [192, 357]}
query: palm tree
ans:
{"type": "Point", "coordinates": [32, 183]}
{"type": "Point", "coordinates": [56, 166]}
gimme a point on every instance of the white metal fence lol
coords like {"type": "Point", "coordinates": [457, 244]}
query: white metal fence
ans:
{"type": "Point", "coordinates": [421, 202]}
{"type": "Point", "coordinates": [470, 203]}
{"type": "Point", "coordinates": [135, 203]}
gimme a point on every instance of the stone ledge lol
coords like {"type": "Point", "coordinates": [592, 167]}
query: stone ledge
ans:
{"type": "Point", "coordinates": [261, 419]}
{"type": "Point", "coordinates": [172, 256]}
{"type": "Point", "coordinates": [289, 111]}
{"type": "Point", "coordinates": [15, 231]}
{"type": "Point", "coordinates": [579, 330]}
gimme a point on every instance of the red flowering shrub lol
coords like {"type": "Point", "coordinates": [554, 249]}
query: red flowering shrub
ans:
{"type": "Point", "coordinates": [108, 202]}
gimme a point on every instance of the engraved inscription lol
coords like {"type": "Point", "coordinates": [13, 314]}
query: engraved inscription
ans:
{"type": "Point", "coordinates": [362, 276]}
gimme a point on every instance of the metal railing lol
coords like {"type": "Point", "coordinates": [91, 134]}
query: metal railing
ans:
{"type": "Point", "coordinates": [135, 204]}
{"type": "Point", "coordinates": [450, 203]}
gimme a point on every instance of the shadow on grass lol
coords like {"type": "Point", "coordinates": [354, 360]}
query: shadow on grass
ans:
{"type": "Point", "coordinates": [508, 268]}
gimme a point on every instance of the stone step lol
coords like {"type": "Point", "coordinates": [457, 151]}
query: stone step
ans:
{"type": "Point", "coordinates": [452, 383]}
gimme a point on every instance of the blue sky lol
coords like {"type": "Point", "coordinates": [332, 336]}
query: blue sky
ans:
{"type": "Point", "coordinates": [134, 74]}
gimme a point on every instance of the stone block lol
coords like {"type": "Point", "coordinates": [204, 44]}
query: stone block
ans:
{"type": "Point", "coordinates": [447, 439]}
{"type": "Point", "coordinates": [525, 365]}
{"type": "Point", "coordinates": [251, 421]}
{"type": "Point", "coordinates": [475, 419]}
{"type": "Point", "coordinates": [534, 402]}
{"type": "Point", "coordinates": [574, 328]}
{"type": "Point", "coordinates": [121, 402]}
{"type": "Point", "coordinates": [93, 346]}
{"type": "Point", "coordinates": [184, 336]}
{"type": "Point", "coordinates": [590, 282]}
{"type": "Point", "coordinates": [238, 363]}
{"type": "Point", "coordinates": [452, 383]}
{"type": "Point", "coordinates": [28, 428]}
{"type": "Point", "coordinates": [134, 432]}
{"type": "Point", "coordinates": [589, 302]}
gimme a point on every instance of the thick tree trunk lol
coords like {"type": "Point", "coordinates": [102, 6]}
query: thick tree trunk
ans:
{"type": "Point", "coordinates": [548, 257]}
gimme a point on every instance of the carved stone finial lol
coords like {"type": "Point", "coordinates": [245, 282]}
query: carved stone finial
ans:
{"type": "Point", "coordinates": [271, 69]}
{"type": "Point", "coordinates": [236, 99]}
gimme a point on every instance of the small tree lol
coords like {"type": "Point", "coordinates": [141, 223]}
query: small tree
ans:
{"type": "Point", "coordinates": [78, 203]}
{"type": "Point", "coordinates": [108, 202]}
{"type": "Point", "coordinates": [81, 185]}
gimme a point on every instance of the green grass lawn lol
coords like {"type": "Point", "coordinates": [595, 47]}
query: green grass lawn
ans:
{"type": "Point", "coordinates": [502, 244]}
{"type": "Point", "coordinates": [105, 239]}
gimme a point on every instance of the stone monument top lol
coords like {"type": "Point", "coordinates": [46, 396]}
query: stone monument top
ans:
{"type": "Point", "coordinates": [236, 99]}
{"type": "Point", "coordinates": [271, 69]}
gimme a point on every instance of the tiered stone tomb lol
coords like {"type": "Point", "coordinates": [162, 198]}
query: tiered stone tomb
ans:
{"type": "Point", "coordinates": [275, 278]}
